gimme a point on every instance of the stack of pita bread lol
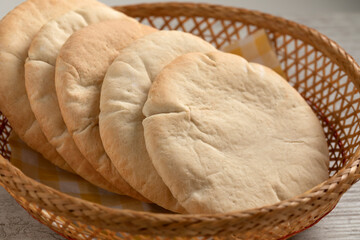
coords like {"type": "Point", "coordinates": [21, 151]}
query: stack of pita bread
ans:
{"type": "Point", "coordinates": [161, 116]}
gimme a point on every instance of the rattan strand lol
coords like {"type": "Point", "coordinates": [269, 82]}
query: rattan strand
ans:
{"type": "Point", "coordinates": [317, 67]}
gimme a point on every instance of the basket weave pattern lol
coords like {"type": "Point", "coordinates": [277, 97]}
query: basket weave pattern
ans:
{"type": "Point", "coordinates": [322, 72]}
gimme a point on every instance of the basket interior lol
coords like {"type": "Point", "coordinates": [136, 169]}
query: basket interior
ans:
{"type": "Point", "coordinates": [326, 88]}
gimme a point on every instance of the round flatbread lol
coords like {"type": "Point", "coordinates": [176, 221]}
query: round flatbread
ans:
{"type": "Point", "coordinates": [123, 95]}
{"type": "Point", "coordinates": [17, 29]}
{"type": "Point", "coordinates": [80, 69]}
{"type": "Point", "coordinates": [228, 135]}
{"type": "Point", "coordinates": [40, 87]}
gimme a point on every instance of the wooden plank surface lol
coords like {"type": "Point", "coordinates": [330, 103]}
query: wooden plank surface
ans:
{"type": "Point", "coordinates": [342, 224]}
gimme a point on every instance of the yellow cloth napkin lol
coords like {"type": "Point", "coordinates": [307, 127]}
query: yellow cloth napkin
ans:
{"type": "Point", "coordinates": [254, 48]}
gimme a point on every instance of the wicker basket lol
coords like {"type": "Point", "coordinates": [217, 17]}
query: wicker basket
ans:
{"type": "Point", "coordinates": [323, 73]}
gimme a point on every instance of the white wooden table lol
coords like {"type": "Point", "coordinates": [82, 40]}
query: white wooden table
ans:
{"type": "Point", "coordinates": [342, 224]}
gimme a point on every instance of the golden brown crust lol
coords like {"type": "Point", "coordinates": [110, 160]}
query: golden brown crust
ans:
{"type": "Point", "coordinates": [40, 85]}
{"type": "Point", "coordinates": [80, 69]}
{"type": "Point", "coordinates": [16, 32]}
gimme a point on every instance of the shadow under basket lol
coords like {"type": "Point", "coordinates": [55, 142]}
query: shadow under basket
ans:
{"type": "Point", "coordinates": [321, 71]}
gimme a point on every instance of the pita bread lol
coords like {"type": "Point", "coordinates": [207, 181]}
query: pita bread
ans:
{"type": "Point", "coordinates": [17, 29]}
{"type": "Point", "coordinates": [123, 95]}
{"type": "Point", "coordinates": [80, 69]}
{"type": "Point", "coordinates": [40, 87]}
{"type": "Point", "coordinates": [228, 135]}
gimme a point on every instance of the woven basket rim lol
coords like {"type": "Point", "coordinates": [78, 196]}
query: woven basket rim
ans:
{"type": "Point", "coordinates": [314, 192]}
{"type": "Point", "coordinates": [180, 218]}
{"type": "Point", "coordinates": [349, 174]}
